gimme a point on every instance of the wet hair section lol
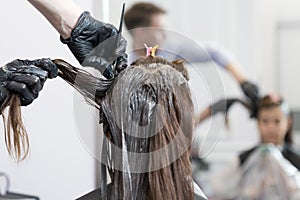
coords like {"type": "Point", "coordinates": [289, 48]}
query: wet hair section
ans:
{"type": "Point", "coordinates": [16, 137]}
{"type": "Point", "coordinates": [149, 116]}
{"type": "Point", "coordinates": [91, 87]}
{"type": "Point", "coordinates": [148, 123]}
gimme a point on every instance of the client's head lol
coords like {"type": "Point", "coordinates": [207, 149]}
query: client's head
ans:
{"type": "Point", "coordinates": [148, 119]}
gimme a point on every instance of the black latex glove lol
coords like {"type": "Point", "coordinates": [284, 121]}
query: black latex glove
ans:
{"type": "Point", "coordinates": [222, 105]}
{"type": "Point", "coordinates": [98, 45]}
{"type": "Point", "coordinates": [250, 90]}
{"type": "Point", "coordinates": [25, 78]}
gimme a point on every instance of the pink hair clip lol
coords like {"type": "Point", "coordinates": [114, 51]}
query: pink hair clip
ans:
{"type": "Point", "coordinates": [274, 97]}
{"type": "Point", "coordinates": [150, 51]}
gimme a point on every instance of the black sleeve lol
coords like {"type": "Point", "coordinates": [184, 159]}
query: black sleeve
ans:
{"type": "Point", "coordinates": [292, 155]}
{"type": "Point", "coordinates": [245, 155]}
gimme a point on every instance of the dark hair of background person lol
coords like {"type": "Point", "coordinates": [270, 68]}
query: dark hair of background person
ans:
{"type": "Point", "coordinates": [139, 15]}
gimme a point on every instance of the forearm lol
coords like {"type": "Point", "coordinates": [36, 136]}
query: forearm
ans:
{"type": "Point", "coordinates": [62, 14]}
{"type": "Point", "coordinates": [233, 70]}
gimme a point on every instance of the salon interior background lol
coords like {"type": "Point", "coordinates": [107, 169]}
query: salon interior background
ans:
{"type": "Point", "coordinates": [262, 34]}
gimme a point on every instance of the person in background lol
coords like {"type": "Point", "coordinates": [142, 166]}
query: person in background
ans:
{"type": "Point", "coordinates": [274, 116]}
{"type": "Point", "coordinates": [275, 123]}
{"type": "Point", "coordinates": [146, 24]}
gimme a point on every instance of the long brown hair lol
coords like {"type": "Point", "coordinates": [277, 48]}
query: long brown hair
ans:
{"type": "Point", "coordinates": [147, 110]}
{"type": "Point", "coordinates": [148, 106]}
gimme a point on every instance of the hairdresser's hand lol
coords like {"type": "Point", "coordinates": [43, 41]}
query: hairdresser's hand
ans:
{"type": "Point", "coordinates": [3, 93]}
{"type": "Point", "coordinates": [251, 91]}
{"type": "Point", "coordinates": [97, 44]}
{"type": "Point", "coordinates": [222, 105]}
{"type": "Point", "coordinates": [220, 55]}
{"type": "Point", "coordinates": [25, 78]}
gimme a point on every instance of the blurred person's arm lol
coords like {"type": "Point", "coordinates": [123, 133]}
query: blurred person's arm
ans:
{"type": "Point", "coordinates": [250, 89]}
{"type": "Point", "coordinates": [220, 55]}
{"type": "Point", "coordinates": [220, 106]}
{"type": "Point", "coordinates": [236, 73]}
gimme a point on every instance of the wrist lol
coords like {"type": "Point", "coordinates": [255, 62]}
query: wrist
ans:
{"type": "Point", "coordinates": [233, 70]}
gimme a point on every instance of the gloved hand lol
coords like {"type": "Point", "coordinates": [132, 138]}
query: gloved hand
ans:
{"type": "Point", "coordinates": [25, 78]}
{"type": "Point", "coordinates": [222, 105]}
{"type": "Point", "coordinates": [84, 44]}
{"type": "Point", "coordinates": [251, 91]}
{"type": "Point", "coordinates": [220, 55]}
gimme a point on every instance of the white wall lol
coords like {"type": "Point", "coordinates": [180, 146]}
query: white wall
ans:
{"type": "Point", "coordinates": [58, 166]}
